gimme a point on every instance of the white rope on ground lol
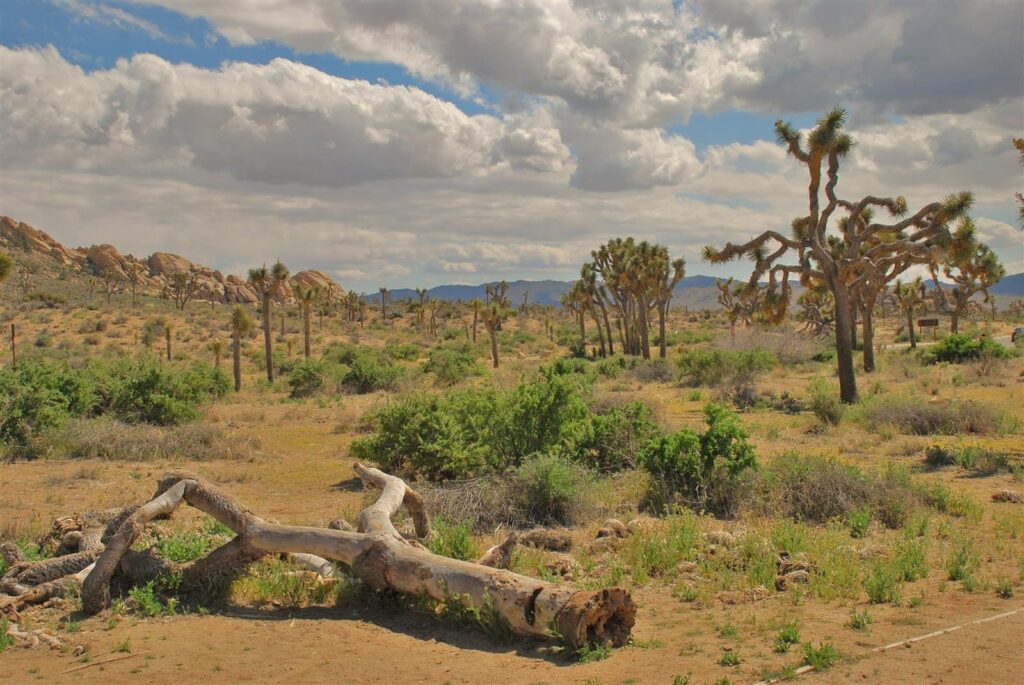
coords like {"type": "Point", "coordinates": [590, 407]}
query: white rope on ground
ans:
{"type": "Point", "coordinates": [901, 643]}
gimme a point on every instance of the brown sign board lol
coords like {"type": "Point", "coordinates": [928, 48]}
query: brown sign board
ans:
{"type": "Point", "coordinates": [927, 323]}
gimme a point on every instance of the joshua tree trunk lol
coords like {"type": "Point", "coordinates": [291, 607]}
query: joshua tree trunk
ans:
{"type": "Point", "coordinates": [583, 329]}
{"type": "Point", "coordinates": [493, 332]}
{"type": "Point", "coordinates": [377, 554]}
{"type": "Point", "coordinates": [869, 339]}
{"type": "Point", "coordinates": [954, 321]}
{"type": "Point", "coordinates": [268, 343]}
{"type": "Point", "coordinates": [662, 346]}
{"type": "Point", "coordinates": [642, 321]}
{"type": "Point", "coordinates": [167, 338]}
{"type": "Point", "coordinates": [305, 332]}
{"type": "Point", "coordinates": [844, 349]}
{"type": "Point", "coordinates": [607, 326]}
{"type": "Point", "coordinates": [910, 327]}
{"type": "Point", "coordinates": [476, 315]}
{"type": "Point", "coordinates": [853, 323]}
{"type": "Point", "coordinates": [236, 358]}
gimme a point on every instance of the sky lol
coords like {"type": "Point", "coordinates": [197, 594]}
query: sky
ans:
{"type": "Point", "coordinates": [401, 143]}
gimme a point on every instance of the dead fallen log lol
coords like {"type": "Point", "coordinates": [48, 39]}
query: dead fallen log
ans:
{"type": "Point", "coordinates": [377, 554]}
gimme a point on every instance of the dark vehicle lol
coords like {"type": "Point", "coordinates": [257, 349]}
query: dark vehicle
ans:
{"type": "Point", "coordinates": [1018, 334]}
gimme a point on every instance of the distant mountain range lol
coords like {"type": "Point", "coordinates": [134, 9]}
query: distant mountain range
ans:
{"type": "Point", "coordinates": [694, 292]}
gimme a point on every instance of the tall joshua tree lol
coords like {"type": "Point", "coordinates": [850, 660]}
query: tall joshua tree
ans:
{"type": "Point", "coordinates": [918, 237]}
{"type": "Point", "coordinates": [267, 283]}
{"type": "Point", "coordinates": [492, 315]}
{"type": "Point", "coordinates": [665, 274]}
{"type": "Point", "coordinates": [306, 297]}
{"type": "Point", "coordinates": [385, 295]}
{"type": "Point", "coordinates": [972, 266]}
{"type": "Point", "coordinates": [134, 273]}
{"type": "Point", "coordinates": [910, 296]}
{"type": "Point", "coordinates": [241, 324]}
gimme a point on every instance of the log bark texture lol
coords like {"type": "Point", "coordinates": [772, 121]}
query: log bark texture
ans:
{"type": "Point", "coordinates": [376, 553]}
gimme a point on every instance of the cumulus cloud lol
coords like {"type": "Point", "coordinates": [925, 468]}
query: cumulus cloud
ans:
{"type": "Point", "coordinates": [279, 123]}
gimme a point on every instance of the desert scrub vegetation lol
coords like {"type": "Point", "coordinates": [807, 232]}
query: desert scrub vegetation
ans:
{"type": "Point", "coordinates": [963, 347]}
{"type": "Point", "coordinates": [106, 438]}
{"type": "Point", "coordinates": [698, 469]}
{"type": "Point", "coordinates": [475, 431]}
{"type": "Point", "coordinates": [915, 416]}
{"type": "Point", "coordinates": [41, 395]}
{"type": "Point", "coordinates": [732, 372]}
{"type": "Point", "coordinates": [453, 363]}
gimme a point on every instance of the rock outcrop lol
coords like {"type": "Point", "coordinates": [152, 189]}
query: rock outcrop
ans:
{"type": "Point", "coordinates": [154, 273]}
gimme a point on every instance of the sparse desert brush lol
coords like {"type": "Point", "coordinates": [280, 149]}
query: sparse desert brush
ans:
{"type": "Point", "coordinates": [816, 489]}
{"type": "Point", "coordinates": [103, 438]}
{"type": "Point", "coordinates": [917, 416]}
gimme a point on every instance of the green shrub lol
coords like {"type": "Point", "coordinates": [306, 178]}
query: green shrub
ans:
{"type": "Point", "coordinates": [822, 657]}
{"type": "Point", "coordinates": [452, 364]}
{"type": "Point", "coordinates": [475, 431]}
{"type": "Point", "coordinates": [786, 637]}
{"type": "Point", "coordinates": [882, 583]}
{"type": "Point", "coordinates": [548, 487]}
{"type": "Point", "coordinates": [40, 395]}
{"type": "Point", "coordinates": [307, 377]}
{"type": "Point", "coordinates": [687, 465]}
{"type": "Point", "coordinates": [858, 522]}
{"type": "Point", "coordinates": [143, 390]}
{"type": "Point", "coordinates": [617, 436]}
{"type": "Point", "coordinates": [960, 347]}
{"type": "Point", "coordinates": [451, 539]}
{"type": "Point", "coordinates": [717, 366]}
{"type": "Point", "coordinates": [368, 374]}
{"type": "Point", "coordinates": [825, 403]}
{"type": "Point", "coordinates": [963, 562]}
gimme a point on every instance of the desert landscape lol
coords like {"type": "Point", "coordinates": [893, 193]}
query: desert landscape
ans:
{"type": "Point", "coordinates": [390, 466]}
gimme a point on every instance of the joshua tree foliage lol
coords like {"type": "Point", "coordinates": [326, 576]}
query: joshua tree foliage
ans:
{"type": "Point", "coordinates": [817, 312]}
{"type": "Point", "coordinates": [910, 297]}
{"type": "Point", "coordinates": [217, 348]}
{"type": "Point", "coordinates": [972, 267]}
{"type": "Point", "coordinates": [1019, 144]}
{"type": "Point", "coordinates": [492, 315]}
{"type": "Point", "coordinates": [385, 297]}
{"type": "Point", "coordinates": [738, 303]}
{"type": "Point", "coordinates": [267, 284]}
{"type": "Point", "coordinates": [241, 324]}
{"type": "Point", "coordinates": [840, 256]}
{"type": "Point", "coordinates": [306, 297]}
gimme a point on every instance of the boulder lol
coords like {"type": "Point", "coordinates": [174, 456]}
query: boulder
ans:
{"type": "Point", "coordinates": [106, 258]}
{"type": "Point", "coordinates": [166, 264]}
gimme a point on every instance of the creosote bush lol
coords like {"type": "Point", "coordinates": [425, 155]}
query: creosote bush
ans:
{"type": "Point", "coordinates": [473, 432]}
{"type": "Point", "coordinates": [42, 395]}
{"type": "Point", "coordinates": [915, 416]}
{"type": "Point", "coordinates": [962, 347]}
{"type": "Point", "coordinates": [689, 467]}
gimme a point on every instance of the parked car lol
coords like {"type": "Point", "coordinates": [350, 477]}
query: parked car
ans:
{"type": "Point", "coordinates": [1018, 334]}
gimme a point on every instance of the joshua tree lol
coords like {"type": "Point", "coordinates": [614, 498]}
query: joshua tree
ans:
{"type": "Point", "coordinates": [307, 297]}
{"type": "Point", "coordinates": [182, 288]}
{"type": "Point", "coordinates": [421, 310]}
{"type": "Point", "coordinates": [241, 324]}
{"type": "Point", "coordinates": [111, 278]}
{"type": "Point", "coordinates": [134, 273]}
{"type": "Point", "coordinates": [217, 348]}
{"type": "Point", "coordinates": [267, 283]}
{"type": "Point", "coordinates": [385, 295]}
{"type": "Point", "coordinates": [665, 276]}
{"type": "Point", "coordinates": [598, 296]}
{"type": "Point", "coordinates": [910, 296]}
{"type": "Point", "coordinates": [497, 294]}
{"type": "Point", "coordinates": [167, 338]}
{"type": "Point", "coordinates": [492, 315]}
{"type": "Point", "coordinates": [737, 303]}
{"type": "Point", "coordinates": [476, 316]}
{"type": "Point", "coordinates": [973, 268]}
{"type": "Point", "coordinates": [572, 300]}
{"type": "Point", "coordinates": [842, 259]}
